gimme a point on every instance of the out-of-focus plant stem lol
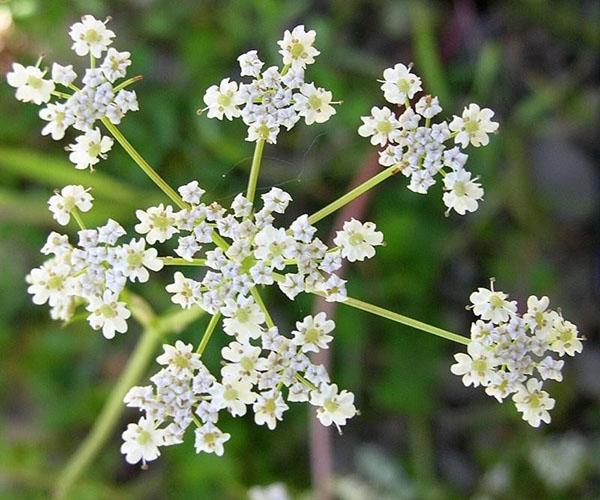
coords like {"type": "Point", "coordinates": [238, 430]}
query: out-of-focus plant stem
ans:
{"type": "Point", "coordinates": [154, 328]}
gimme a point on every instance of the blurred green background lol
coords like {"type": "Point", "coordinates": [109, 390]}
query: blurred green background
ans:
{"type": "Point", "coordinates": [421, 434]}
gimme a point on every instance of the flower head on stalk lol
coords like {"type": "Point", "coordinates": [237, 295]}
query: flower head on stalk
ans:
{"type": "Point", "coordinates": [101, 96]}
{"type": "Point", "coordinates": [420, 149]}
{"type": "Point", "coordinates": [274, 98]}
{"type": "Point", "coordinates": [513, 354]}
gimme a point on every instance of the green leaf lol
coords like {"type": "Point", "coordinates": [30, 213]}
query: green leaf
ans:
{"type": "Point", "coordinates": [53, 172]}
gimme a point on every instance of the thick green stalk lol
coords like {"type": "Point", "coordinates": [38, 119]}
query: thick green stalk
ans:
{"type": "Point", "coordinates": [212, 324]}
{"type": "Point", "coordinates": [354, 193]}
{"type": "Point", "coordinates": [254, 170]}
{"type": "Point", "coordinates": [143, 164]}
{"type": "Point", "coordinates": [104, 425]}
{"type": "Point", "coordinates": [405, 320]}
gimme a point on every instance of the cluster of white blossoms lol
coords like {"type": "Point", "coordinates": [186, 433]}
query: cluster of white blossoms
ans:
{"type": "Point", "coordinates": [514, 354]}
{"type": "Point", "coordinates": [251, 251]}
{"type": "Point", "coordinates": [274, 98]}
{"type": "Point", "coordinates": [92, 274]}
{"type": "Point", "coordinates": [236, 251]}
{"type": "Point", "coordinates": [100, 95]}
{"type": "Point", "coordinates": [261, 373]}
{"type": "Point", "coordinates": [422, 150]}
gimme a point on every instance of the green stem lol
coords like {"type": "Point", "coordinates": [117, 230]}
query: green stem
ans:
{"type": "Point", "coordinates": [176, 261]}
{"type": "Point", "coordinates": [405, 320]}
{"type": "Point", "coordinates": [354, 193]}
{"type": "Point", "coordinates": [113, 408]}
{"type": "Point", "coordinates": [255, 169]}
{"type": "Point", "coordinates": [220, 242]}
{"type": "Point", "coordinates": [268, 320]}
{"type": "Point", "coordinates": [306, 382]}
{"type": "Point", "coordinates": [212, 324]}
{"type": "Point", "coordinates": [143, 164]}
{"type": "Point", "coordinates": [77, 216]}
{"type": "Point", "coordinates": [127, 83]}
{"type": "Point", "coordinates": [62, 95]}
{"type": "Point", "coordinates": [109, 416]}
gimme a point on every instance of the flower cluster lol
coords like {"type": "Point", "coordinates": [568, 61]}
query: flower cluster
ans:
{"type": "Point", "coordinates": [274, 98]}
{"type": "Point", "coordinates": [101, 96]}
{"type": "Point", "coordinates": [420, 148]}
{"type": "Point", "coordinates": [243, 248]}
{"type": "Point", "coordinates": [251, 251]}
{"type": "Point", "coordinates": [253, 375]}
{"type": "Point", "coordinates": [514, 354]}
{"type": "Point", "coordinates": [93, 273]}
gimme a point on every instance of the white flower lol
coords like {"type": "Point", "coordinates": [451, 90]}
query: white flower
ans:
{"type": "Point", "coordinates": [70, 197]}
{"type": "Point", "coordinates": [357, 240]}
{"type": "Point", "coordinates": [243, 319]}
{"type": "Point", "coordinates": [110, 232]}
{"type": "Point", "coordinates": [210, 439]}
{"type": "Point", "coordinates": [313, 104]}
{"type": "Point", "coordinates": [334, 289]}
{"type": "Point", "coordinates": [538, 317]}
{"type": "Point", "coordinates": [89, 148]}
{"type": "Point", "coordinates": [272, 244]}
{"type": "Point", "coordinates": [400, 84]}
{"type": "Point", "coordinates": [180, 359]}
{"type": "Point", "coordinates": [108, 314]}
{"type": "Point", "coordinates": [115, 64]}
{"type": "Point", "coordinates": [461, 192]}
{"type": "Point", "coordinates": [90, 36]}
{"type": "Point", "coordinates": [533, 402]}
{"type": "Point", "coordinates": [428, 106]}
{"type": "Point", "coordinates": [476, 367]}
{"type": "Point", "coordinates": [184, 291]}
{"type": "Point", "coordinates": [501, 384]}
{"type": "Point", "coordinates": [191, 192]}
{"type": "Point", "coordinates": [264, 129]}
{"type": "Point", "coordinates": [223, 100]}
{"type": "Point", "coordinates": [550, 368]}
{"type": "Point", "coordinates": [382, 126]}
{"type": "Point", "coordinates": [157, 223]}
{"type": "Point", "coordinates": [275, 491]}
{"type": "Point", "coordinates": [136, 259]}
{"type": "Point", "coordinates": [297, 47]}
{"type": "Point", "coordinates": [64, 75]}
{"type": "Point", "coordinates": [276, 200]}
{"type": "Point", "coordinates": [49, 283]}
{"type": "Point", "coordinates": [233, 395]}
{"type": "Point", "coordinates": [244, 362]}
{"type": "Point", "coordinates": [492, 306]}
{"type": "Point", "coordinates": [250, 64]}
{"type": "Point", "coordinates": [333, 407]}
{"type": "Point", "coordinates": [311, 333]}
{"type": "Point", "coordinates": [269, 408]}
{"type": "Point", "coordinates": [58, 118]}
{"type": "Point", "coordinates": [564, 338]}
{"type": "Point", "coordinates": [474, 126]}
{"type": "Point", "coordinates": [141, 441]}
{"type": "Point", "coordinates": [30, 84]}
